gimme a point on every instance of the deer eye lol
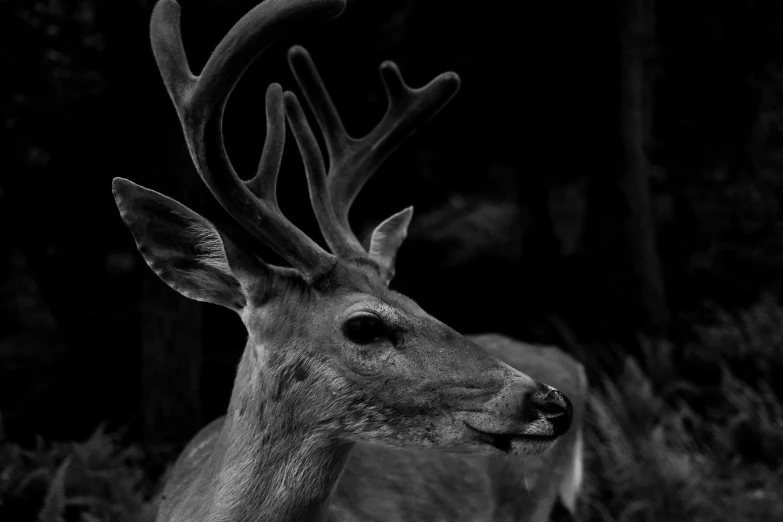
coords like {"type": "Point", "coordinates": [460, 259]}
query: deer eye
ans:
{"type": "Point", "coordinates": [365, 329]}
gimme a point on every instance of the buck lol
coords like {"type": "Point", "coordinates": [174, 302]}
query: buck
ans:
{"type": "Point", "coordinates": [341, 376]}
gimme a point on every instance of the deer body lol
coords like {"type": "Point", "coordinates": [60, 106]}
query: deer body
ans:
{"type": "Point", "coordinates": [334, 358]}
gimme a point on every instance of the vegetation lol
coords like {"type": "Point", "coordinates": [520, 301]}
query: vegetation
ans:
{"type": "Point", "coordinates": [659, 447]}
{"type": "Point", "coordinates": [90, 481]}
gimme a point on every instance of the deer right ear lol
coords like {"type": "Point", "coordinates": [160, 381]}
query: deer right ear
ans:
{"type": "Point", "coordinates": [386, 240]}
{"type": "Point", "coordinates": [184, 249]}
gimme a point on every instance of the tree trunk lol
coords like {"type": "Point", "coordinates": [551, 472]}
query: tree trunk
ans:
{"type": "Point", "coordinates": [623, 231]}
{"type": "Point", "coordinates": [171, 334]}
{"type": "Point", "coordinates": [171, 324]}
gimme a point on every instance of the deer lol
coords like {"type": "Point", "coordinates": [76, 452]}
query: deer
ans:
{"type": "Point", "coordinates": [349, 400]}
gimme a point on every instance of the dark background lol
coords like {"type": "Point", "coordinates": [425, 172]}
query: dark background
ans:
{"type": "Point", "coordinates": [609, 171]}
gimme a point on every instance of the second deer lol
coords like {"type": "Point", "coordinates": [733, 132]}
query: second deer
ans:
{"type": "Point", "coordinates": [339, 372]}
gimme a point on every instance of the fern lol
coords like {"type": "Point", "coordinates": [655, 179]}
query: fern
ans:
{"type": "Point", "coordinates": [655, 452]}
{"type": "Point", "coordinates": [86, 481]}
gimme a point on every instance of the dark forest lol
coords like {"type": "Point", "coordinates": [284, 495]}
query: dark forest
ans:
{"type": "Point", "coordinates": [607, 180]}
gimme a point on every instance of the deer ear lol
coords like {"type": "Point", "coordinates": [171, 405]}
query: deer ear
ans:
{"type": "Point", "coordinates": [184, 249]}
{"type": "Point", "coordinates": [386, 240]}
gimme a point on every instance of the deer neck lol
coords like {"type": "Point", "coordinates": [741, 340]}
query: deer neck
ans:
{"type": "Point", "coordinates": [273, 466]}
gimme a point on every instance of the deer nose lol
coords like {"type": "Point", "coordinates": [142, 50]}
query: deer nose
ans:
{"type": "Point", "coordinates": [555, 407]}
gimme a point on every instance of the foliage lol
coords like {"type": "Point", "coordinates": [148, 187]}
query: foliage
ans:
{"type": "Point", "coordinates": [661, 447]}
{"type": "Point", "coordinates": [90, 481]}
{"type": "Point", "coordinates": [52, 52]}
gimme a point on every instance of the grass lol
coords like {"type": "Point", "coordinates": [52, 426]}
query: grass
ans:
{"type": "Point", "coordinates": [690, 433]}
{"type": "Point", "coordinates": [661, 447]}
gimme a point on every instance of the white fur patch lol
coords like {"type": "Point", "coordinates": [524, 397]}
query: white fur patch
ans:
{"type": "Point", "coordinates": [197, 449]}
{"type": "Point", "coordinates": [572, 480]}
{"type": "Point", "coordinates": [209, 246]}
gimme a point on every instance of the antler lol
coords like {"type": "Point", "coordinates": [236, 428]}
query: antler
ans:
{"type": "Point", "coordinates": [352, 161]}
{"type": "Point", "coordinates": [200, 102]}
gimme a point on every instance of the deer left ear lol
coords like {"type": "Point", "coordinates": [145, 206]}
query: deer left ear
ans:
{"type": "Point", "coordinates": [185, 250]}
{"type": "Point", "coordinates": [386, 240]}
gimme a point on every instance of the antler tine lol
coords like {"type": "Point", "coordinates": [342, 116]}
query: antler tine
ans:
{"type": "Point", "coordinates": [265, 180]}
{"type": "Point", "coordinates": [200, 102]}
{"type": "Point", "coordinates": [342, 245]}
{"type": "Point", "coordinates": [352, 161]}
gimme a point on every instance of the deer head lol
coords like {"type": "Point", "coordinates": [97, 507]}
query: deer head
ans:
{"type": "Point", "coordinates": [331, 348]}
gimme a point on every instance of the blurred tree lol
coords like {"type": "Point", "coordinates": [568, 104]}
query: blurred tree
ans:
{"type": "Point", "coordinates": [621, 229]}
{"type": "Point", "coordinates": [171, 324]}
{"type": "Point", "coordinates": [52, 55]}
{"type": "Point", "coordinates": [74, 73]}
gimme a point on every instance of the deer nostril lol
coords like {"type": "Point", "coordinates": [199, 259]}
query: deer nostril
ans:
{"type": "Point", "coordinates": [553, 404]}
{"type": "Point", "coordinates": [556, 408]}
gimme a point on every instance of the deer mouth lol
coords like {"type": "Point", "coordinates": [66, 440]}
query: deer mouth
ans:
{"type": "Point", "coordinates": [510, 442]}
